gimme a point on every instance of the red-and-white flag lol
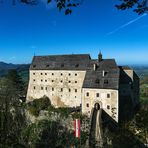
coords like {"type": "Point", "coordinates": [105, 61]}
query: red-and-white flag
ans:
{"type": "Point", "coordinates": [77, 128]}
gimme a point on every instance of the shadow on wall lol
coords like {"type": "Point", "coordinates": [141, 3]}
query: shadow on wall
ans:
{"type": "Point", "coordinates": [118, 135]}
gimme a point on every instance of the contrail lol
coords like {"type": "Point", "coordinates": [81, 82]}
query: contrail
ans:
{"type": "Point", "coordinates": [128, 23]}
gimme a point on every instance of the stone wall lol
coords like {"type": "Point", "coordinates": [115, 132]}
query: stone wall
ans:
{"type": "Point", "coordinates": [62, 87]}
{"type": "Point", "coordinates": [107, 99]}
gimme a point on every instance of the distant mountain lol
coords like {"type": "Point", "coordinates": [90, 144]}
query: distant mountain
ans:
{"type": "Point", "coordinates": [23, 69]}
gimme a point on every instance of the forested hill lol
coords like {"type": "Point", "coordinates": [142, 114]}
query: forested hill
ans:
{"type": "Point", "coordinates": [23, 69]}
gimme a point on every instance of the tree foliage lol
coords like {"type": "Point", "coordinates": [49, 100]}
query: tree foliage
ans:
{"type": "Point", "coordinates": [12, 117]}
{"type": "Point", "coordinates": [138, 6]}
{"type": "Point", "coordinates": [51, 134]}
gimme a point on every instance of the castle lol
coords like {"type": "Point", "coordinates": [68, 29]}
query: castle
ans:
{"type": "Point", "coordinates": [77, 80]}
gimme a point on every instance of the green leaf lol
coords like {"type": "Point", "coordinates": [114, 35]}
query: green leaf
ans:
{"type": "Point", "coordinates": [48, 1]}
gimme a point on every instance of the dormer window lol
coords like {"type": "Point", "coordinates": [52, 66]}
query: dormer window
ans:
{"type": "Point", "coordinates": [62, 65]}
{"type": "Point", "coordinates": [77, 65]}
{"type": "Point", "coordinates": [104, 73]}
{"type": "Point", "coordinates": [34, 66]}
{"type": "Point", "coordinates": [47, 65]}
{"type": "Point", "coordinates": [105, 81]}
{"type": "Point", "coordinates": [97, 81]}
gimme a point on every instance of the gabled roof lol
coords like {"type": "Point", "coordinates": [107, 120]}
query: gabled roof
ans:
{"type": "Point", "coordinates": [93, 78]}
{"type": "Point", "coordinates": [96, 79]}
{"type": "Point", "coordinates": [60, 62]}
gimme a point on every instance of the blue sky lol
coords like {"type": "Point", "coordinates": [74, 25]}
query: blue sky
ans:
{"type": "Point", "coordinates": [93, 26]}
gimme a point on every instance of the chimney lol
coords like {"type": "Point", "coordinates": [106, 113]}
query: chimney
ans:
{"type": "Point", "coordinates": [103, 73]}
{"type": "Point", "coordinates": [95, 66]}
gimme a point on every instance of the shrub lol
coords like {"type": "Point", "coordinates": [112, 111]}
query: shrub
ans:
{"type": "Point", "coordinates": [37, 105]}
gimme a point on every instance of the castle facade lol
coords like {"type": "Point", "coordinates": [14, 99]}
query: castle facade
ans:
{"type": "Point", "coordinates": [77, 80]}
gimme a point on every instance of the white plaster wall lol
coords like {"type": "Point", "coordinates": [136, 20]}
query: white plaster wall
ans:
{"type": "Point", "coordinates": [113, 101]}
{"type": "Point", "coordinates": [56, 79]}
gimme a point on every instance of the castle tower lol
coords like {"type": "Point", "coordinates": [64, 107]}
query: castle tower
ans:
{"type": "Point", "coordinates": [100, 57]}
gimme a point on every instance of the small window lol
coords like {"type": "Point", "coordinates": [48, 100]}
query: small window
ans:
{"type": "Point", "coordinates": [76, 74]}
{"type": "Point", "coordinates": [52, 73]}
{"type": "Point", "coordinates": [61, 74]}
{"type": "Point", "coordinates": [69, 74]}
{"type": "Point", "coordinates": [45, 73]}
{"type": "Point", "coordinates": [69, 90]}
{"type": "Point", "coordinates": [108, 95]}
{"type": "Point", "coordinates": [45, 80]}
{"type": "Point", "coordinates": [61, 81]}
{"type": "Point", "coordinates": [97, 81]}
{"type": "Point", "coordinates": [75, 81]}
{"type": "Point", "coordinates": [34, 80]}
{"type": "Point", "coordinates": [77, 65]}
{"type": "Point", "coordinates": [61, 89]}
{"type": "Point", "coordinates": [97, 95]}
{"type": "Point", "coordinates": [105, 81]}
{"type": "Point", "coordinates": [41, 73]}
{"type": "Point", "coordinates": [105, 73]}
{"type": "Point", "coordinates": [34, 66]}
{"type": "Point", "coordinates": [52, 89]}
{"type": "Point", "coordinates": [69, 81]}
{"type": "Point", "coordinates": [62, 65]}
{"type": "Point", "coordinates": [42, 88]}
{"type": "Point", "coordinates": [41, 80]}
{"type": "Point", "coordinates": [87, 94]}
{"type": "Point", "coordinates": [75, 90]}
{"type": "Point", "coordinates": [87, 105]}
{"type": "Point", "coordinates": [33, 73]}
{"type": "Point", "coordinates": [80, 105]}
{"type": "Point", "coordinates": [75, 96]}
{"type": "Point", "coordinates": [108, 106]}
{"type": "Point", "coordinates": [52, 80]}
{"type": "Point", "coordinates": [47, 65]}
{"type": "Point", "coordinates": [46, 88]}
{"type": "Point", "coordinates": [34, 87]}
